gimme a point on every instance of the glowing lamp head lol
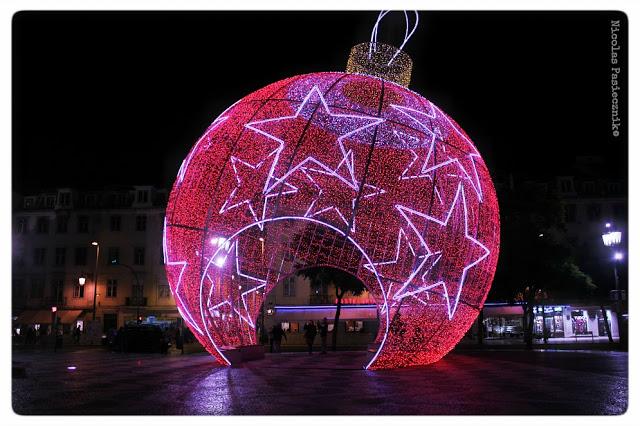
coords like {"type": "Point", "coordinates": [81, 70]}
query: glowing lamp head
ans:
{"type": "Point", "coordinates": [220, 242]}
{"type": "Point", "coordinates": [82, 280]}
{"type": "Point", "coordinates": [612, 238]}
{"type": "Point", "coordinates": [219, 261]}
{"type": "Point", "coordinates": [54, 309]}
{"type": "Point", "coordinates": [607, 225]}
{"type": "Point", "coordinates": [94, 243]}
{"type": "Point", "coordinates": [618, 255]}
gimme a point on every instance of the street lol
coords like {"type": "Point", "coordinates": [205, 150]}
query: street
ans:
{"type": "Point", "coordinates": [464, 382]}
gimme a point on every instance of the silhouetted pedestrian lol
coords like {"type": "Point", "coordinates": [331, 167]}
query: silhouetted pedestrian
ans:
{"type": "Point", "coordinates": [76, 334]}
{"type": "Point", "coordinates": [58, 339]}
{"type": "Point", "coordinates": [31, 336]}
{"type": "Point", "coordinates": [324, 330]}
{"type": "Point", "coordinates": [278, 333]}
{"type": "Point", "coordinates": [310, 332]}
{"type": "Point", "coordinates": [120, 343]}
{"type": "Point", "coordinates": [179, 340]}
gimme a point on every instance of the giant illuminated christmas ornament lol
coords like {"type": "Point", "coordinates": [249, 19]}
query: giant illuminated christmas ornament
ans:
{"type": "Point", "coordinates": [351, 170]}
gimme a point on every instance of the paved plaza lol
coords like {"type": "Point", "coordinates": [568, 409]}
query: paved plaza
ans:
{"type": "Point", "coordinates": [93, 381]}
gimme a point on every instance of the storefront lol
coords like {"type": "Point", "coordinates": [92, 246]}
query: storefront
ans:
{"type": "Point", "coordinates": [503, 323]}
{"type": "Point", "coordinates": [549, 320]}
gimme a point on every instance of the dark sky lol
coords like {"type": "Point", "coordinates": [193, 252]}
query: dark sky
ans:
{"type": "Point", "coordinates": [119, 98]}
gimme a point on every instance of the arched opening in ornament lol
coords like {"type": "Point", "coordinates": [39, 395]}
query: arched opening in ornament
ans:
{"type": "Point", "coordinates": [311, 307]}
{"type": "Point", "coordinates": [250, 284]}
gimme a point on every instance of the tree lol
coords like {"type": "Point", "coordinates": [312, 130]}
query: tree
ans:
{"type": "Point", "coordinates": [534, 250]}
{"type": "Point", "coordinates": [536, 259]}
{"type": "Point", "coordinates": [343, 282]}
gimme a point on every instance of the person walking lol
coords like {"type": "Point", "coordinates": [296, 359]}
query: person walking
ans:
{"type": "Point", "coordinates": [76, 334]}
{"type": "Point", "coordinates": [310, 332]}
{"type": "Point", "coordinates": [324, 330]}
{"type": "Point", "coordinates": [278, 333]}
{"type": "Point", "coordinates": [58, 339]}
{"type": "Point", "coordinates": [179, 340]}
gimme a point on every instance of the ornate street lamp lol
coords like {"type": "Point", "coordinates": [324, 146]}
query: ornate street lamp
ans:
{"type": "Point", "coordinates": [612, 239]}
{"type": "Point", "coordinates": [95, 277]}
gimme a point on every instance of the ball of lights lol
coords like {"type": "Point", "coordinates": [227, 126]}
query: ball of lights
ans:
{"type": "Point", "coordinates": [340, 169]}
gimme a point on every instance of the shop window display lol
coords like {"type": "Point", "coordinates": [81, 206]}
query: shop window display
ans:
{"type": "Point", "coordinates": [553, 322]}
{"type": "Point", "coordinates": [509, 327]}
{"type": "Point", "coordinates": [579, 322]}
{"type": "Point", "coordinates": [354, 326]}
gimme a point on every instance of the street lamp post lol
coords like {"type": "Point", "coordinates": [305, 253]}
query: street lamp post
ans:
{"type": "Point", "coordinates": [137, 298]}
{"type": "Point", "coordinates": [612, 238]}
{"type": "Point", "coordinates": [95, 278]}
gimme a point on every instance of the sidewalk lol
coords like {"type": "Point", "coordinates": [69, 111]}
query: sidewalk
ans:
{"type": "Point", "coordinates": [471, 382]}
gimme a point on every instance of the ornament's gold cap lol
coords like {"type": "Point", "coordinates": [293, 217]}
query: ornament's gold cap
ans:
{"type": "Point", "coordinates": [381, 60]}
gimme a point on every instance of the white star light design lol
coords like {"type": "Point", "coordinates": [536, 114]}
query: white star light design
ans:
{"type": "Point", "coordinates": [237, 198]}
{"type": "Point", "coordinates": [468, 169]}
{"type": "Point", "coordinates": [451, 304]}
{"type": "Point", "coordinates": [242, 300]}
{"type": "Point", "coordinates": [272, 184]}
{"type": "Point", "coordinates": [346, 157]}
{"type": "Point", "coordinates": [375, 267]}
{"type": "Point", "coordinates": [325, 200]}
{"type": "Point", "coordinates": [427, 168]}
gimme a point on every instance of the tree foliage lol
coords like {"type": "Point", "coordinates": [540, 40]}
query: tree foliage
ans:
{"type": "Point", "coordinates": [534, 249]}
{"type": "Point", "coordinates": [343, 282]}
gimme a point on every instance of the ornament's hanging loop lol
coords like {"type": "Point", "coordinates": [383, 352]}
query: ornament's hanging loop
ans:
{"type": "Point", "coordinates": [407, 33]}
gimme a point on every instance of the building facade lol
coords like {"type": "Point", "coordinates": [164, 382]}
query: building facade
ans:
{"type": "Point", "coordinates": [53, 255]}
{"type": "Point", "coordinates": [562, 322]}
{"type": "Point", "coordinates": [294, 302]}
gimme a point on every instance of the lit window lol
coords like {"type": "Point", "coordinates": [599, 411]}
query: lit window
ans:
{"type": "Point", "coordinates": [112, 288]}
{"type": "Point", "coordinates": [113, 255]}
{"type": "Point", "coordinates": [78, 291]}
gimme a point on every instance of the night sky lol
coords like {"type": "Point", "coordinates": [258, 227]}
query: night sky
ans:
{"type": "Point", "coordinates": [119, 98]}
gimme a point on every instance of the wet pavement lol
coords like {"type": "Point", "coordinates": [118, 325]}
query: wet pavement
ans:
{"type": "Point", "coordinates": [464, 382]}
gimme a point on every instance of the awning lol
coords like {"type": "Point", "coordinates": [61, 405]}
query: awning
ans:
{"type": "Point", "coordinates": [68, 316]}
{"type": "Point", "coordinates": [25, 317]}
{"type": "Point", "coordinates": [498, 311]}
{"type": "Point", "coordinates": [45, 316]}
{"type": "Point", "coordinates": [35, 317]}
